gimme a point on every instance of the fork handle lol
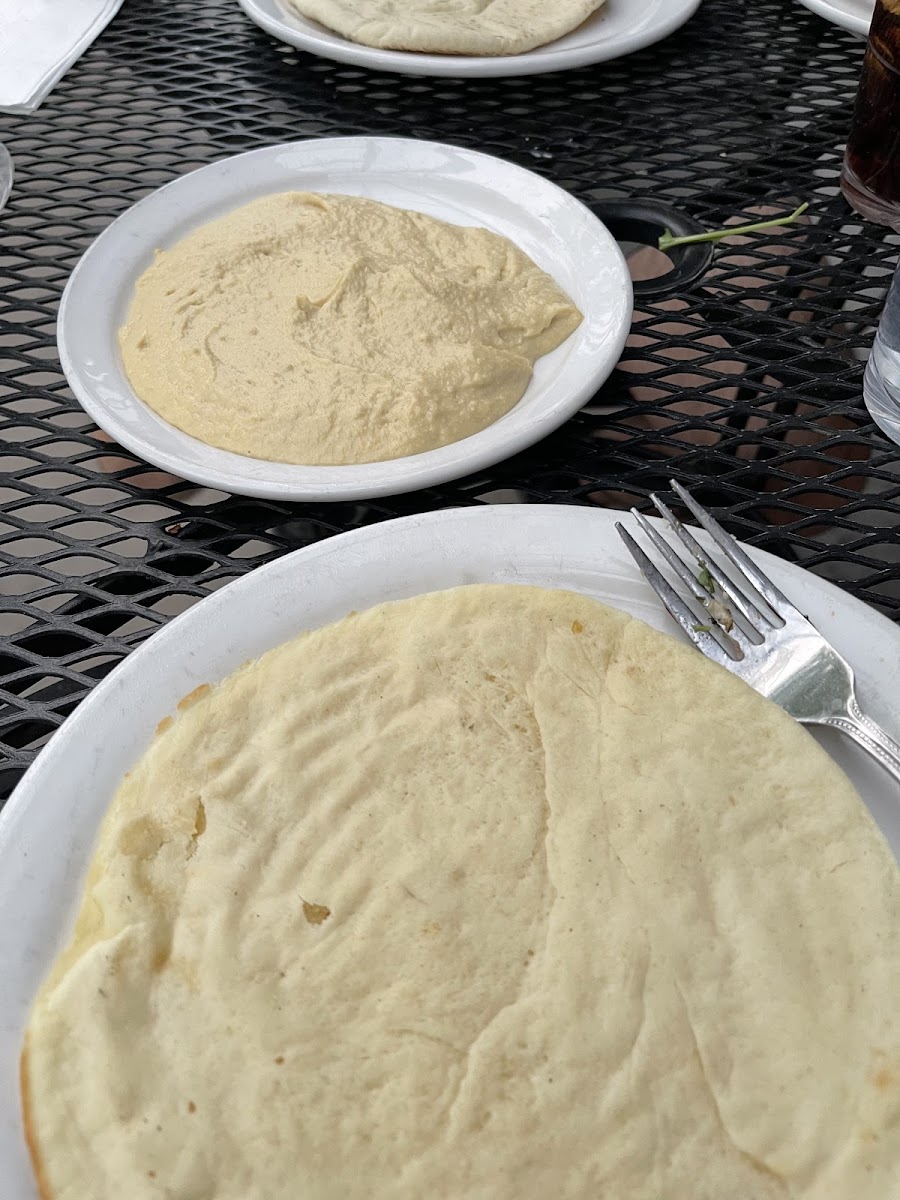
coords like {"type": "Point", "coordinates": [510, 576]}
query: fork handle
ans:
{"type": "Point", "coordinates": [868, 734]}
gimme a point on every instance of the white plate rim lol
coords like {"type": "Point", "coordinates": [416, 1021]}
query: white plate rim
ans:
{"type": "Point", "coordinates": [838, 14]}
{"type": "Point", "coordinates": [91, 363]}
{"type": "Point", "coordinates": [326, 44]}
{"type": "Point", "coordinates": [561, 545]}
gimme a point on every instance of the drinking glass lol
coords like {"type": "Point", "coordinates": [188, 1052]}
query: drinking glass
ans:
{"type": "Point", "coordinates": [6, 174]}
{"type": "Point", "coordinates": [881, 384]}
{"type": "Point", "coordinates": [871, 175]}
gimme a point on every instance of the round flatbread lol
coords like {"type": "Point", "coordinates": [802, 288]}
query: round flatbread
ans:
{"type": "Point", "coordinates": [493, 894]}
{"type": "Point", "coordinates": [488, 27]}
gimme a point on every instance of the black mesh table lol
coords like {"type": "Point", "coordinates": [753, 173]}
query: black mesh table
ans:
{"type": "Point", "coordinates": [744, 383]}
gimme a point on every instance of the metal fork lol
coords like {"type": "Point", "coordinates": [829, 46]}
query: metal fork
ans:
{"type": "Point", "coordinates": [739, 618]}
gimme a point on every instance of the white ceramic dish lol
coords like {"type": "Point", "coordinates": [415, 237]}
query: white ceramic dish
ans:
{"type": "Point", "coordinates": [620, 27]}
{"type": "Point", "coordinates": [855, 15]}
{"type": "Point", "coordinates": [48, 827]}
{"type": "Point", "coordinates": [462, 186]}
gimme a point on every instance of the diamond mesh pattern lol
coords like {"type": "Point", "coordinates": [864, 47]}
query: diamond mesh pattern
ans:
{"type": "Point", "coordinates": [746, 387]}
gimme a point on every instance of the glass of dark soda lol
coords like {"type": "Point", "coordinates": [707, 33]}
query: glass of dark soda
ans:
{"type": "Point", "coordinates": [871, 176]}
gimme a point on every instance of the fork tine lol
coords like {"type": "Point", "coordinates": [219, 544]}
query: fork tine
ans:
{"type": "Point", "coordinates": [676, 607]}
{"type": "Point", "coordinates": [672, 557]}
{"type": "Point", "coordinates": [773, 596]}
{"type": "Point", "coordinates": [689, 579]}
{"type": "Point", "coordinates": [755, 618]}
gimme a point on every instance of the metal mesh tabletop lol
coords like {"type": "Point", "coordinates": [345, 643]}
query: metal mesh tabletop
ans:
{"type": "Point", "coordinates": [746, 385]}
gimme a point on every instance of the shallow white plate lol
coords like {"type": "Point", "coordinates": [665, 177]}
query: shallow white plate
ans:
{"type": "Point", "coordinates": [48, 827]}
{"type": "Point", "coordinates": [461, 186]}
{"type": "Point", "coordinates": [855, 15]}
{"type": "Point", "coordinates": [618, 28]}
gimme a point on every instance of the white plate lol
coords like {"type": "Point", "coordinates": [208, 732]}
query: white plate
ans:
{"type": "Point", "coordinates": [461, 186]}
{"type": "Point", "coordinates": [618, 28]}
{"type": "Point", "coordinates": [48, 828]}
{"type": "Point", "coordinates": [855, 15]}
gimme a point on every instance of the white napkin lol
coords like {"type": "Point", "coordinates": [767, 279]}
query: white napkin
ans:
{"type": "Point", "coordinates": [39, 41]}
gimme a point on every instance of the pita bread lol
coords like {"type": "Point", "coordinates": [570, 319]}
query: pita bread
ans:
{"type": "Point", "coordinates": [493, 894]}
{"type": "Point", "coordinates": [489, 27]}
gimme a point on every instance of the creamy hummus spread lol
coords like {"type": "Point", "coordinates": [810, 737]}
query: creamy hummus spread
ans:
{"type": "Point", "coordinates": [326, 329]}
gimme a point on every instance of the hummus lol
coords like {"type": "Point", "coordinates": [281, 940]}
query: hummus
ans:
{"type": "Point", "coordinates": [326, 329]}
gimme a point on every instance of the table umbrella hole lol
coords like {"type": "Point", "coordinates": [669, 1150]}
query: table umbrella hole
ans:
{"type": "Point", "coordinates": [637, 226]}
{"type": "Point", "coordinates": [646, 262]}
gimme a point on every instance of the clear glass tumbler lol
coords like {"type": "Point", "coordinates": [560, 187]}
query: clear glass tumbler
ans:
{"type": "Point", "coordinates": [6, 174]}
{"type": "Point", "coordinates": [881, 386]}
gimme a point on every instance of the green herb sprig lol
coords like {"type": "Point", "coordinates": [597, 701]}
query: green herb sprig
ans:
{"type": "Point", "coordinates": [667, 241]}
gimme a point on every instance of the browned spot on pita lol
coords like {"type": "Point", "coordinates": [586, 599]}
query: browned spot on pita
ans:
{"type": "Point", "coordinates": [197, 694]}
{"type": "Point", "coordinates": [315, 913]}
